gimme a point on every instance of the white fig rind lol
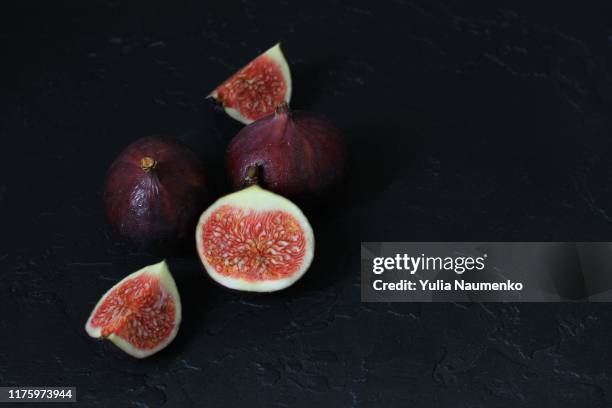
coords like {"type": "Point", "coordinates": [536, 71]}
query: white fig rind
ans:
{"type": "Point", "coordinates": [276, 54]}
{"type": "Point", "coordinates": [161, 272]}
{"type": "Point", "coordinates": [257, 199]}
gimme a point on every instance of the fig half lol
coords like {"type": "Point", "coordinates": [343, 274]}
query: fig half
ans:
{"type": "Point", "coordinates": [155, 191]}
{"type": "Point", "coordinates": [256, 90]}
{"type": "Point", "coordinates": [141, 314]}
{"type": "Point", "coordinates": [255, 240]}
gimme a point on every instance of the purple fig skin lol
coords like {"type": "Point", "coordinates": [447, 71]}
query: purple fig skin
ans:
{"type": "Point", "coordinates": [297, 154]}
{"type": "Point", "coordinates": [154, 192]}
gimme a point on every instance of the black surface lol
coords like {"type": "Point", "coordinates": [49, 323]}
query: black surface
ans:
{"type": "Point", "coordinates": [466, 121]}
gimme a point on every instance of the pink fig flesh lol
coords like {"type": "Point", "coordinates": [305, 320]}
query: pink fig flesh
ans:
{"type": "Point", "coordinates": [141, 314]}
{"type": "Point", "coordinates": [256, 89]}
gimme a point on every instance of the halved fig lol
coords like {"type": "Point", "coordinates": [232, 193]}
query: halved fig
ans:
{"type": "Point", "coordinates": [141, 314]}
{"type": "Point", "coordinates": [255, 240]}
{"type": "Point", "coordinates": [257, 89]}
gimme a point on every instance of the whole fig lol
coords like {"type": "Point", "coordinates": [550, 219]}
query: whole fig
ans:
{"type": "Point", "coordinates": [154, 192]}
{"type": "Point", "coordinates": [298, 154]}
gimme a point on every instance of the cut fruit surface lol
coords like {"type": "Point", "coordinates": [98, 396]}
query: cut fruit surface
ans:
{"type": "Point", "coordinates": [141, 314]}
{"type": "Point", "coordinates": [258, 88]}
{"type": "Point", "coordinates": [255, 240]}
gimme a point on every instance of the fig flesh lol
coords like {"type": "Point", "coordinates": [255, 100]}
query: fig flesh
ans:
{"type": "Point", "coordinates": [155, 191]}
{"type": "Point", "coordinates": [141, 314]}
{"type": "Point", "coordinates": [255, 240]}
{"type": "Point", "coordinates": [298, 154]}
{"type": "Point", "coordinates": [256, 89]}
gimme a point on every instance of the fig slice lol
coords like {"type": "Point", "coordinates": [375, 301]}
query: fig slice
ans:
{"type": "Point", "coordinates": [256, 89]}
{"type": "Point", "coordinates": [255, 240]}
{"type": "Point", "coordinates": [141, 314]}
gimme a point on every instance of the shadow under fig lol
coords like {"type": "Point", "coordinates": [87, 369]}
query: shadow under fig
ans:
{"type": "Point", "coordinates": [198, 297]}
{"type": "Point", "coordinates": [380, 152]}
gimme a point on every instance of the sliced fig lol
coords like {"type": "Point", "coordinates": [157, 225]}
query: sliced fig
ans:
{"type": "Point", "coordinates": [255, 240]}
{"type": "Point", "coordinates": [256, 90]}
{"type": "Point", "coordinates": [141, 314]}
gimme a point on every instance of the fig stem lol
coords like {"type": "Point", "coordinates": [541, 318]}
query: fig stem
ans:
{"type": "Point", "coordinates": [282, 108]}
{"type": "Point", "coordinates": [252, 176]}
{"type": "Point", "coordinates": [147, 163]}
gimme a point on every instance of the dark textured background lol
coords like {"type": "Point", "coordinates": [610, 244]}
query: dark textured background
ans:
{"type": "Point", "coordinates": [466, 121]}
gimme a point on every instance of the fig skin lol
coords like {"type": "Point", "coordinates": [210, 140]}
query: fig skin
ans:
{"type": "Point", "coordinates": [154, 192]}
{"type": "Point", "coordinates": [298, 154]}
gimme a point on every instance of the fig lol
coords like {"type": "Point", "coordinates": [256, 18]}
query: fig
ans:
{"type": "Point", "coordinates": [141, 314]}
{"type": "Point", "coordinates": [256, 89]}
{"type": "Point", "coordinates": [155, 191]}
{"type": "Point", "coordinates": [254, 240]}
{"type": "Point", "coordinates": [298, 153]}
